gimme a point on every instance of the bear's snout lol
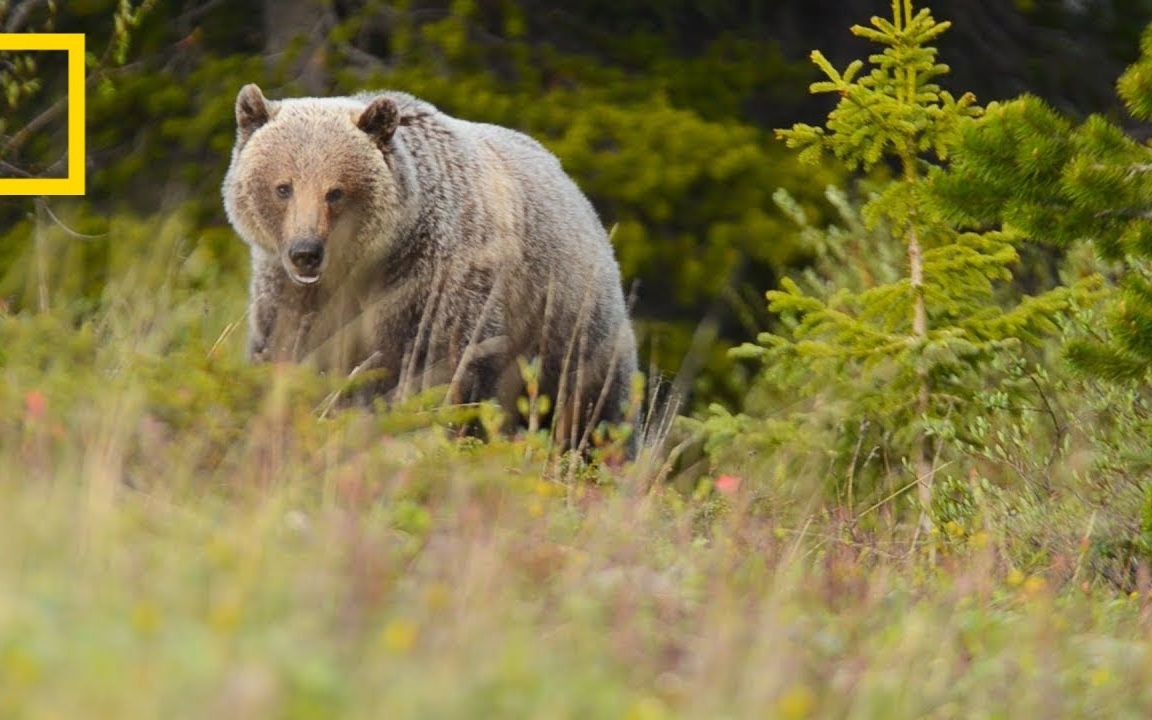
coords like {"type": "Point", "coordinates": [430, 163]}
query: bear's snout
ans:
{"type": "Point", "coordinates": [307, 257]}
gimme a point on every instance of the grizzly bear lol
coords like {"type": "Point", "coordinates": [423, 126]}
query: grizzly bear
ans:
{"type": "Point", "coordinates": [390, 237]}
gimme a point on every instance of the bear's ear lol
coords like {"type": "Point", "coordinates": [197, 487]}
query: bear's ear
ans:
{"type": "Point", "coordinates": [380, 120]}
{"type": "Point", "coordinates": [251, 110]}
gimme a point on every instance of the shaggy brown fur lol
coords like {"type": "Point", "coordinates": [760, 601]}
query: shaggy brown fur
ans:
{"type": "Point", "coordinates": [386, 235]}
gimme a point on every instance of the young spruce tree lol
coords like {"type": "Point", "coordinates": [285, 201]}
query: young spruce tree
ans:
{"type": "Point", "coordinates": [916, 349]}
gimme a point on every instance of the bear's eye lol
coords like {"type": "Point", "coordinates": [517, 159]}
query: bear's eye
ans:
{"type": "Point", "coordinates": [334, 195]}
{"type": "Point", "coordinates": [283, 191]}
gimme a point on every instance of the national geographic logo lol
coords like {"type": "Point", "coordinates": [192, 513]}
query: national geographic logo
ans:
{"type": "Point", "coordinates": [73, 44]}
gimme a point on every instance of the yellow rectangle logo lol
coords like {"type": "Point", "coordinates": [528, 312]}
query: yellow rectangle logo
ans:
{"type": "Point", "coordinates": [73, 44]}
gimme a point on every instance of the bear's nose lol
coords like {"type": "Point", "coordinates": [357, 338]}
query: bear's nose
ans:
{"type": "Point", "coordinates": [306, 255]}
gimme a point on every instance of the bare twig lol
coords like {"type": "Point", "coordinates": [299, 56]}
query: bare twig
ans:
{"type": "Point", "coordinates": [560, 406]}
{"type": "Point", "coordinates": [466, 357]}
{"type": "Point", "coordinates": [226, 333]}
{"type": "Point", "coordinates": [897, 492]}
{"type": "Point", "coordinates": [605, 387]}
{"type": "Point", "coordinates": [1056, 425]}
{"type": "Point", "coordinates": [330, 401]}
{"type": "Point", "coordinates": [425, 336]}
{"type": "Point", "coordinates": [855, 458]}
{"type": "Point", "coordinates": [42, 255]}
{"type": "Point", "coordinates": [21, 136]}
{"type": "Point", "coordinates": [10, 168]}
{"type": "Point", "coordinates": [194, 13]}
{"type": "Point", "coordinates": [21, 15]}
{"type": "Point", "coordinates": [63, 226]}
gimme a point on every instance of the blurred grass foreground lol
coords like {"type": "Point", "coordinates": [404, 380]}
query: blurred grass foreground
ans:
{"type": "Point", "coordinates": [183, 535]}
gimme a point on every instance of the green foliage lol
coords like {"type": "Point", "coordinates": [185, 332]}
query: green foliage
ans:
{"type": "Point", "coordinates": [898, 355]}
{"type": "Point", "coordinates": [22, 78]}
{"type": "Point", "coordinates": [1027, 168]}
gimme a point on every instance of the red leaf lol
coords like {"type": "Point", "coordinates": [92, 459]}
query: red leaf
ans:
{"type": "Point", "coordinates": [35, 404]}
{"type": "Point", "coordinates": [728, 484]}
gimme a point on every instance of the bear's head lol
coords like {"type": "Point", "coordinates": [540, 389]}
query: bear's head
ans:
{"type": "Point", "coordinates": [310, 180]}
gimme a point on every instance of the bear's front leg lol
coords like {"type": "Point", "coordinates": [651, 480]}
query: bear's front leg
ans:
{"type": "Point", "coordinates": [264, 292]}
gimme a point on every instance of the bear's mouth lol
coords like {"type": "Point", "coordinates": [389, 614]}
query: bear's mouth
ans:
{"type": "Point", "coordinates": [303, 279]}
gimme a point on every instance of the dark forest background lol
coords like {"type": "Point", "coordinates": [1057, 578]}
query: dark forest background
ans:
{"type": "Point", "coordinates": [663, 111]}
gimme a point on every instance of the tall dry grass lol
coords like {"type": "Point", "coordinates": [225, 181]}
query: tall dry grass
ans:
{"type": "Point", "coordinates": [182, 535]}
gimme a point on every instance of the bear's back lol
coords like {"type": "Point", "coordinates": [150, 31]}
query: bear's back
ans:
{"type": "Point", "coordinates": [550, 194]}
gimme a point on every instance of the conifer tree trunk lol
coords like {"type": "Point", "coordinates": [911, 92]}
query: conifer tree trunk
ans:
{"type": "Point", "coordinates": [287, 20]}
{"type": "Point", "coordinates": [923, 461]}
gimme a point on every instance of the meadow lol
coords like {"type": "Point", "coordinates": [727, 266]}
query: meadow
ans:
{"type": "Point", "coordinates": [184, 535]}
